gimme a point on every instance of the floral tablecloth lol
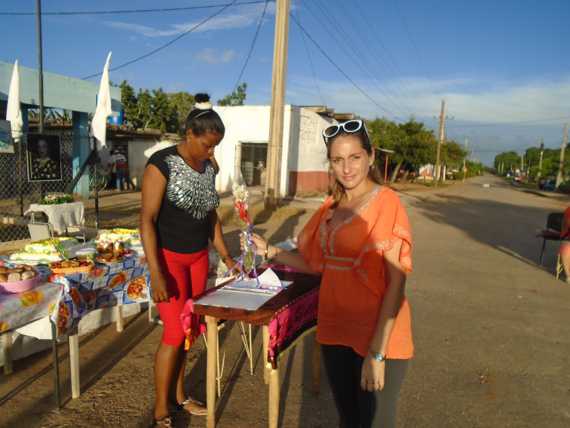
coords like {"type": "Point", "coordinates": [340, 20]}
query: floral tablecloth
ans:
{"type": "Point", "coordinates": [17, 310]}
{"type": "Point", "coordinates": [66, 299]}
{"type": "Point", "coordinates": [105, 286]}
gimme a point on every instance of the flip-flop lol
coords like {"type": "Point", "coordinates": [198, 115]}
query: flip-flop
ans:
{"type": "Point", "coordinates": [199, 408]}
{"type": "Point", "coordinates": [165, 422]}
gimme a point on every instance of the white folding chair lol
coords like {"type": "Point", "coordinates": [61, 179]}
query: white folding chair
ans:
{"type": "Point", "coordinates": [40, 231]}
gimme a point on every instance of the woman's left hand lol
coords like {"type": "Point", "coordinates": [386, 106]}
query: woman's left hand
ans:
{"type": "Point", "coordinates": [229, 262]}
{"type": "Point", "coordinates": [372, 376]}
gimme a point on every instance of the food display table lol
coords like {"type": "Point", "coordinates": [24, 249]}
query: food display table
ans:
{"type": "Point", "coordinates": [61, 216]}
{"type": "Point", "coordinates": [284, 319]}
{"type": "Point", "coordinates": [66, 299]}
{"type": "Point", "coordinates": [18, 310]}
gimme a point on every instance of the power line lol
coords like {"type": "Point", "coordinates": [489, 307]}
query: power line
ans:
{"type": "Point", "coordinates": [343, 44]}
{"type": "Point", "coordinates": [312, 65]}
{"type": "Point", "coordinates": [354, 50]}
{"type": "Point", "coordinates": [252, 46]}
{"type": "Point", "coordinates": [130, 11]}
{"type": "Point", "coordinates": [340, 70]}
{"type": "Point", "coordinates": [167, 44]}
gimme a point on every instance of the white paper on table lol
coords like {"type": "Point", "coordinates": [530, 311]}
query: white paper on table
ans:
{"type": "Point", "coordinates": [267, 283]}
{"type": "Point", "coordinates": [248, 294]}
{"type": "Point", "coordinates": [239, 299]}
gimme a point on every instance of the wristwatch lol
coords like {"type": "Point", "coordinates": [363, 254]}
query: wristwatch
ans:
{"type": "Point", "coordinates": [377, 356]}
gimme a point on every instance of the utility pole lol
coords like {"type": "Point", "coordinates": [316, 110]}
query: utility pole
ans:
{"type": "Point", "coordinates": [539, 173]}
{"type": "Point", "coordinates": [272, 184]}
{"type": "Point", "coordinates": [465, 159]}
{"type": "Point", "coordinates": [440, 142]}
{"type": "Point", "coordinates": [522, 162]}
{"type": "Point", "coordinates": [560, 176]}
{"type": "Point", "coordinates": [40, 63]}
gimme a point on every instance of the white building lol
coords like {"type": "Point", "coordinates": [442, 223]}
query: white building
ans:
{"type": "Point", "coordinates": [303, 163]}
{"type": "Point", "coordinates": [243, 151]}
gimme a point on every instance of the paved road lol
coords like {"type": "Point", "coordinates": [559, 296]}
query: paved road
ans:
{"type": "Point", "coordinates": [492, 328]}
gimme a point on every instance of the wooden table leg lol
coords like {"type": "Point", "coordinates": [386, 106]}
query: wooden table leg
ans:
{"type": "Point", "coordinates": [119, 318]}
{"type": "Point", "coordinates": [55, 358]}
{"type": "Point", "coordinates": [7, 352]}
{"type": "Point", "coordinates": [212, 340]}
{"type": "Point", "coordinates": [316, 357]}
{"type": "Point", "coordinates": [265, 331]}
{"type": "Point", "coordinates": [274, 390]}
{"type": "Point", "coordinates": [150, 315]}
{"type": "Point", "coordinates": [74, 365]}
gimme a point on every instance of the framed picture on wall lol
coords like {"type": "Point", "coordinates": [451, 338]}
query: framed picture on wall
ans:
{"type": "Point", "coordinates": [44, 157]}
{"type": "Point", "coordinates": [6, 142]}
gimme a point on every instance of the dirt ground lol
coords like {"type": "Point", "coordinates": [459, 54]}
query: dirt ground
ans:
{"type": "Point", "coordinates": [490, 327]}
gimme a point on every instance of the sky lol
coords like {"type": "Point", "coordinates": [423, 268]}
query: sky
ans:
{"type": "Point", "coordinates": [502, 67]}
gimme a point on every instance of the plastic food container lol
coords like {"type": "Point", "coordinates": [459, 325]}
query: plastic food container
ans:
{"type": "Point", "coordinates": [19, 286]}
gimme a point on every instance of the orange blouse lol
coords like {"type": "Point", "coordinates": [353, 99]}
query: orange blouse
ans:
{"type": "Point", "coordinates": [351, 260]}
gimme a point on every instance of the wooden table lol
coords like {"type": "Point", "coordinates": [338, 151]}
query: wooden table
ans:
{"type": "Point", "coordinates": [302, 284]}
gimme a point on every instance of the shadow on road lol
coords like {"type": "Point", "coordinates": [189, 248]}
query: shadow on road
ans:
{"type": "Point", "coordinates": [507, 227]}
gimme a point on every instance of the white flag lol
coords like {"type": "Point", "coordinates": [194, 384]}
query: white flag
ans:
{"type": "Point", "coordinates": [14, 114]}
{"type": "Point", "coordinates": [103, 110]}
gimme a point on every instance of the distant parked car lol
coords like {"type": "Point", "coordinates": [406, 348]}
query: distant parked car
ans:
{"type": "Point", "coordinates": [548, 184]}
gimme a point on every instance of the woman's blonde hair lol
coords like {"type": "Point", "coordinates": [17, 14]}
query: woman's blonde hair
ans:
{"type": "Point", "coordinates": [336, 189]}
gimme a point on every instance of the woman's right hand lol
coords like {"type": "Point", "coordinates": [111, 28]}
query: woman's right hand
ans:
{"type": "Point", "coordinates": [261, 245]}
{"type": "Point", "coordinates": [158, 287]}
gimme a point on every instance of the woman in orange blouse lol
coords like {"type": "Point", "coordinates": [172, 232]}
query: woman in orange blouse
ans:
{"type": "Point", "coordinates": [360, 241]}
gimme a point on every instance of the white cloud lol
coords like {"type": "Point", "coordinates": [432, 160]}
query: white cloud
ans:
{"type": "Point", "coordinates": [247, 15]}
{"type": "Point", "coordinates": [213, 56]}
{"type": "Point", "coordinates": [497, 105]}
{"type": "Point", "coordinates": [467, 99]}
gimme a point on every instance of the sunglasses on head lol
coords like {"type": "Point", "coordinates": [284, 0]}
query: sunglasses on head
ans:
{"type": "Point", "coordinates": [350, 127]}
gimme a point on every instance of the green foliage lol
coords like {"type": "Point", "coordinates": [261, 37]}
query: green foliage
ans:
{"type": "Point", "coordinates": [509, 161]}
{"type": "Point", "coordinates": [236, 98]}
{"type": "Point", "coordinates": [550, 162]}
{"type": "Point", "coordinates": [163, 116]}
{"type": "Point", "coordinates": [453, 154]}
{"type": "Point", "coordinates": [181, 103]}
{"type": "Point", "coordinates": [129, 101]}
{"type": "Point", "coordinates": [156, 109]}
{"type": "Point", "coordinates": [414, 145]}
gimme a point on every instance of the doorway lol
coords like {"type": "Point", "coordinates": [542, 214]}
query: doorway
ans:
{"type": "Point", "coordinates": [253, 163]}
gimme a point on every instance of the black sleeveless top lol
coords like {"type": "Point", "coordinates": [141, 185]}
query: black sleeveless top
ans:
{"type": "Point", "coordinates": [183, 223]}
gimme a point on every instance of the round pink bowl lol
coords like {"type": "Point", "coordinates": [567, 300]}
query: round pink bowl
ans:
{"type": "Point", "coordinates": [19, 286]}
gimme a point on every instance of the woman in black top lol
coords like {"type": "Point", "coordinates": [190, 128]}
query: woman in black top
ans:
{"type": "Point", "coordinates": [178, 218]}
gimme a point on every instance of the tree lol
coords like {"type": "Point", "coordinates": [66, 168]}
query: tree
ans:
{"type": "Point", "coordinates": [509, 161]}
{"type": "Point", "coordinates": [236, 98]}
{"type": "Point", "coordinates": [163, 116]}
{"type": "Point", "coordinates": [144, 109]}
{"type": "Point", "coordinates": [453, 154]}
{"type": "Point", "coordinates": [413, 144]}
{"type": "Point", "coordinates": [129, 101]}
{"type": "Point", "coordinates": [181, 103]}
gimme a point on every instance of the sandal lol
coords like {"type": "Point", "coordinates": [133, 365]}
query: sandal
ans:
{"type": "Point", "coordinates": [194, 407]}
{"type": "Point", "coordinates": [165, 422]}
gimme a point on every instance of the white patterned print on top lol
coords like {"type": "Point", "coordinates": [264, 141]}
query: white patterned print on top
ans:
{"type": "Point", "coordinates": [190, 190]}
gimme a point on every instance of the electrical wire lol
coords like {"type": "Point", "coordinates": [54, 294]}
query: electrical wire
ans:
{"type": "Point", "coordinates": [350, 51]}
{"type": "Point", "coordinates": [311, 64]}
{"type": "Point", "coordinates": [340, 70]}
{"type": "Point", "coordinates": [252, 46]}
{"type": "Point", "coordinates": [130, 11]}
{"type": "Point", "coordinates": [167, 44]}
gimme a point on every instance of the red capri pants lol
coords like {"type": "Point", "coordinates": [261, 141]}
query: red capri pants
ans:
{"type": "Point", "coordinates": [186, 276]}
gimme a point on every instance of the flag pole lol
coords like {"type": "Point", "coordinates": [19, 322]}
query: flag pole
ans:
{"type": "Point", "coordinates": [96, 182]}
